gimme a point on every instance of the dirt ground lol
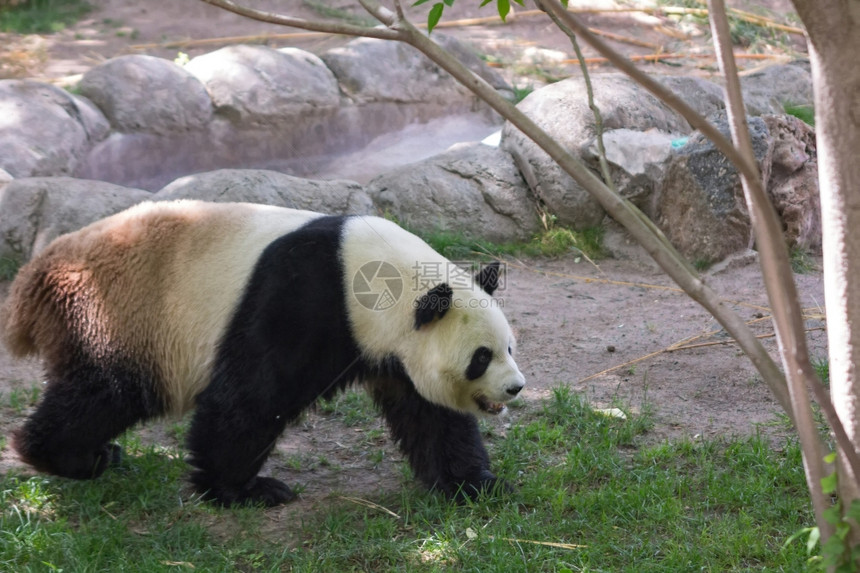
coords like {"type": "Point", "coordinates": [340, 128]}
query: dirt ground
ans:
{"type": "Point", "coordinates": [527, 49]}
{"type": "Point", "coordinates": [577, 323]}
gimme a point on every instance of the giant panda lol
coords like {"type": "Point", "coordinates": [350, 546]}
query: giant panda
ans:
{"type": "Point", "coordinates": [248, 314]}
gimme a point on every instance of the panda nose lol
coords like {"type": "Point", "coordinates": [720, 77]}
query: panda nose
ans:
{"type": "Point", "coordinates": [514, 390]}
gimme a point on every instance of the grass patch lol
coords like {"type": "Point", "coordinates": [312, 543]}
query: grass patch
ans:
{"type": "Point", "coordinates": [702, 264]}
{"type": "Point", "coordinates": [805, 113]}
{"type": "Point", "coordinates": [553, 242]}
{"type": "Point", "coordinates": [353, 407]}
{"type": "Point", "coordinates": [591, 496]}
{"type": "Point", "coordinates": [521, 93]}
{"type": "Point", "coordinates": [20, 399]}
{"type": "Point", "coordinates": [822, 369]}
{"type": "Point", "coordinates": [9, 268]}
{"type": "Point", "coordinates": [41, 16]}
{"type": "Point", "coordinates": [801, 261]}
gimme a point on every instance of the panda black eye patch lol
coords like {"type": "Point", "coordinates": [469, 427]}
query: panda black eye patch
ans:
{"type": "Point", "coordinates": [481, 359]}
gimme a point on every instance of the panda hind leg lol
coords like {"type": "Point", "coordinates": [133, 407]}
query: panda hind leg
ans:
{"type": "Point", "coordinates": [79, 414]}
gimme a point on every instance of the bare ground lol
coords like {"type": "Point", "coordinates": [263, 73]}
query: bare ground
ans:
{"type": "Point", "coordinates": [577, 324]}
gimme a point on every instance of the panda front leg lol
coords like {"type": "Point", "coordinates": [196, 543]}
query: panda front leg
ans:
{"type": "Point", "coordinates": [232, 434]}
{"type": "Point", "coordinates": [444, 447]}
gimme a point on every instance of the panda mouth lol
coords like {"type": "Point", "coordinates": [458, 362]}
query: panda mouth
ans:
{"type": "Point", "coordinates": [487, 406]}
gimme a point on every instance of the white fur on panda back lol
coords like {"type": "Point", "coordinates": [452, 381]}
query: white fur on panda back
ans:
{"type": "Point", "coordinates": [211, 265]}
{"type": "Point", "coordinates": [157, 282]}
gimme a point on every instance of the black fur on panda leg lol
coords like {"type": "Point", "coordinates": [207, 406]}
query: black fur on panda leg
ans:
{"type": "Point", "coordinates": [81, 410]}
{"type": "Point", "coordinates": [228, 448]}
{"type": "Point", "coordinates": [444, 447]}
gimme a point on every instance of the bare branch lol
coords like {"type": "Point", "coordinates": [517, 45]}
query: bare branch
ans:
{"type": "Point", "coordinates": [381, 13]}
{"type": "Point", "coordinates": [315, 26]}
{"type": "Point", "coordinates": [598, 118]}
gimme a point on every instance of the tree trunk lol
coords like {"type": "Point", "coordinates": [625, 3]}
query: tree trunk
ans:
{"type": "Point", "coordinates": [833, 27]}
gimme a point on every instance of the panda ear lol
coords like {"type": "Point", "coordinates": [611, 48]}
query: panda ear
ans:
{"type": "Point", "coordinates": [434, 304]}
{"type": "Point", "coordinates": [488, 277]}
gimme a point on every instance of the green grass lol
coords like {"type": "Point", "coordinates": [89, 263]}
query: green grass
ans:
{"type": "Point", "coordinates": [553, 242]}
{"type": "Point", "coordinates": [805, 113]}
{"type": "Point", "coordinates": [822, 369]}
{"type": "Point", "coordinates": [521, 93]}
{"type": "Point", "coordinates": [352, 407]}
{"type": "Point", "coordinates": [583, 479]}
{"type": "Point", "coordinates": [42, 16]}
{"type": "Point", "coordinates": [20, 399]}
{"type": "Point", "coordinates": [9, 268]}
{"type": "Point", "coordinates": [801, 261]}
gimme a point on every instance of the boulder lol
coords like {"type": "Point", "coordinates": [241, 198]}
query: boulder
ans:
{"type": "Point", "coordinates": [793, 183]}
{"type": "Point", "coordinates": [704, 96]}
{"type": "Point", "coordinates": [562, 110]}
{"type": "Point", "coordinates": [637, 162]}
{"type": "Point", "coordinates": [472, 189]}
{"type": "Point", "coordinates": [45, 130]}
{"type": "Point", "coordinates": [37, 210]}
{"type": "Point", "coordinates": [270, 188]}
{"type": "Point", "coordinates": [470, 58]}
{"type": "Point", "coordinates": [256, 85]}
{"type": "Point", "coordinates": [144, 93]}
{"type": "Point", "coordinates": [769, 90]}
{"type": "Point", "coordinates": [701, 207]}
{"type": "Point", "coordinates": [371, 71]}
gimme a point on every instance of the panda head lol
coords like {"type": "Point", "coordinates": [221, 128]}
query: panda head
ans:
{"type": "Point", "coordinates": [460, 353]}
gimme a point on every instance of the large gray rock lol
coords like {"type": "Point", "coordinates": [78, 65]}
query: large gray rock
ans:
{"type": "Point", "coordinates": [45, 130]}
{"type": "Point", "coordinates": [39, 209]}
{"type": "Point", "coordinates": [704, 96]}
{"type": "Point", "coordinates": [637, 162]}
{"type": "Point", "coordinates": [701, 207]}
{"type": "Point", "coordinates": [144, 93]}
{"type": "Point", "coordinates": [472, 189]}
{"type": "Point", "coordinates": [260, 85]}
{"type": "Point", "coordinates": [470, 58]}
{"type": "Point", "coordinates": [371, 70]}
{"type": "Point", "coordinates": [793, 183]}
{"type": "Point", "coordinates": [270, 188]}
{"type": "Point", "coordinates": [562, 110]}
{"type": "Point", "coordinates": [771, 89]}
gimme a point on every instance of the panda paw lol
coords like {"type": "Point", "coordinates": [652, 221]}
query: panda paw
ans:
{"type": "Point", "coordinates": [77, 465]}
{"type": "Point", "coordinates": [264, 491]}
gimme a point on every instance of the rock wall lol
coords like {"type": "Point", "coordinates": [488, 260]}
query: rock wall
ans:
{"type": "Point", "coordinates": [164, 131]}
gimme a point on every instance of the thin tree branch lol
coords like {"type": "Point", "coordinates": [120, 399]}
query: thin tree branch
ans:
{"type": "Point", "coordinates": [598, 118]}
{"type": "Point", "coordinates": [302, 24]}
